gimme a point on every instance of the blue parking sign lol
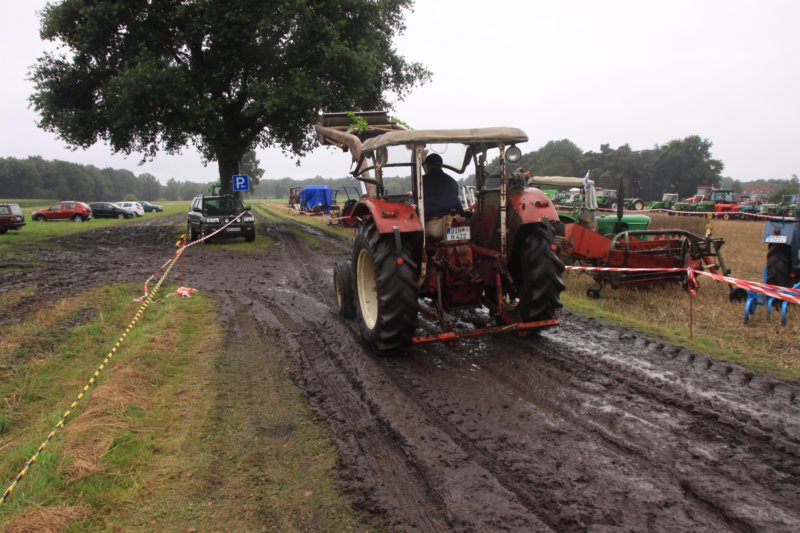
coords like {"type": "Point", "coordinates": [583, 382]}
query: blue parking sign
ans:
{"type": "Point", "coordinates": [241, 183]}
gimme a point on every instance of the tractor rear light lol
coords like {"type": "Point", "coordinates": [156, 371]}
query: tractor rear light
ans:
{"type": "Point", "coordinates": [553, 247]}
{"type": "Point", "coordinates": [399, 260]}
{"type": "Point", "coordinates": [389, 214]}
{"type": "Point", "coordinates": [541, 203]}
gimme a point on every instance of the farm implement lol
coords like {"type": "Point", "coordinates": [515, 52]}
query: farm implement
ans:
{"type": "Point", "coordinates": [622, 242]}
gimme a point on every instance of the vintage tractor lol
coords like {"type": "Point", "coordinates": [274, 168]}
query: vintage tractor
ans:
{"type": "Point", "coordinates": [501, 256]}
{"type": "Point", "coordinates": [667, 201]}
{"type": "Point", "coordinates": [342, 215]}
{"type": "Point", "coordinates": [703, 194]}
{"type": "Point", "coordinates": [624, 241]}
{"type": "Point", "coordinates": [750, 205]}
{"type": "Point", "coordinates": [607, 199]}
{"type": "Point", "coordinates": [782, 235]}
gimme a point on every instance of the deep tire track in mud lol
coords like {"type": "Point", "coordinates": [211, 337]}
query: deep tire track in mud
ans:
{"type": "Point", "coordinates": [589, 427]}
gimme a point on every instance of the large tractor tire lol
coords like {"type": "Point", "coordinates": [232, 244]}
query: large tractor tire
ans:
{"type": "Point", "coordinates": [537, 271]}
{"type": "Point", "coordinates": [779, 265]}
{"type": "Point", "coordinates": [386, 294]}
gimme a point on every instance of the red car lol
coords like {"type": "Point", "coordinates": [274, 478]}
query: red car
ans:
{"type": "Point", "coordinates": [77, 211]}
{"type": "Point", "coordinates": [11, 217]}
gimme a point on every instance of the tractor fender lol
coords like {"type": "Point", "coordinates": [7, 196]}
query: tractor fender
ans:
{"type": "Point", "coordinates": [531, 206]}
{"type": "Point", "coordinates": [387, 215]}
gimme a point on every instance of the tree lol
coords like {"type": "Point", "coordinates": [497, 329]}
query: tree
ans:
{"type": "Point", "coordinates": [683, 165]}
{"type": "Point", "coordinates": [249, 166]}
{"type": "Point", "coordinates": [223, 75]}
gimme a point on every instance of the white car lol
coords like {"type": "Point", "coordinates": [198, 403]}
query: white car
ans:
{"type": "Point", "coordinates": [134, 207]}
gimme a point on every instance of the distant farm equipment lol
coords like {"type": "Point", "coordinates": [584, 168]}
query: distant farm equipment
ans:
{"type": "Point", "coordinates": [721, 202]}
{"type": "Point", "coordinates": [624, 241]}
{"type": "Point", "coordinates": [342, 215]}
{"type": "Point", "coordinates": [668, 200]}
{"type": "Point", "coordinates": [312, 199]}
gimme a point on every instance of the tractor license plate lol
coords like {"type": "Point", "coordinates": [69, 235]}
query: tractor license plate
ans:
{"type": "Point", "coordinates": [458, 234]}
{"type": "Point", "coordinates": [233, 229]}
{"type": "Point", "coordinates": [777, 239]}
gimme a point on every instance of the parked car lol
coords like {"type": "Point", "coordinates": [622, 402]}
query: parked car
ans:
{"type": "Point", "coordinates": [109, 210]}
{"type": "Point", "coordinates": [150, 207]}
{"type": "Point", "coordinates": [209, 213]}
{"type": "Point", "coordinates": [134, 207]}
{"type": "Point", "coordinates": [67, 210]}
{"type": "Point", "coordinates": [11, 217]}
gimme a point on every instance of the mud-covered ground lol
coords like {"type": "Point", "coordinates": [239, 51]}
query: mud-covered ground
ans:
{"type": "Point", "coordinates": [589, 427]}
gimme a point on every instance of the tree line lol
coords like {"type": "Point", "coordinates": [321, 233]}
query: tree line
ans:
{"type": "Point", "coordinates": [35, 177]}
{"type": "Point", "coordinates": [678, 166]}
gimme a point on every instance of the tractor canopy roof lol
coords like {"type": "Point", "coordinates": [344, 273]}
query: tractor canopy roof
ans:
{"type": "Point", "coordinates": [462, 136]}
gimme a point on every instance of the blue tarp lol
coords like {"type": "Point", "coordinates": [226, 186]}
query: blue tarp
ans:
{"type": "Point", "coordinates": [313, 196]}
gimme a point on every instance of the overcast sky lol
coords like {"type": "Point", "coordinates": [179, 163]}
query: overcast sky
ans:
{"type": "Point", "coordinates": [639, 72]}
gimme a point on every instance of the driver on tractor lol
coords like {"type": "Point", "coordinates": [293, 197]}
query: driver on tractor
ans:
{"type": "Point", "coordinates": [441, 195]}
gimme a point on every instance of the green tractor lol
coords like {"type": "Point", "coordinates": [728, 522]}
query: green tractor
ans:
{"type": "Point", "coordinates": [786, 208]}
{"type": "Point", "coordinates": [588, 200]}
{"type": "Point", "coordinates": [607, 199]}
{"type": "Point", "coordinates": [750, 204]}
{"type": "Point", "coordinates": [668, 200]}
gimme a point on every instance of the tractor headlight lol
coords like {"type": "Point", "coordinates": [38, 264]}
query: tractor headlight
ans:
{"type": "Point", "coordinates": [248, 219]}
{"type": "Point", "coordinates": [212, 220]}
{"type": "Point", "coordinates": [513, 154]}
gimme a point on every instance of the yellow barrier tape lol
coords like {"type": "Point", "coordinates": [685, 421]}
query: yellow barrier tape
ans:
{"type": "Point", "coordinates": [7, 494]}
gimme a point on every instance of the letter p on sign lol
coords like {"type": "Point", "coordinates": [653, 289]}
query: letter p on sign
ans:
{"type": "Point", "coordinates": [241, 183]}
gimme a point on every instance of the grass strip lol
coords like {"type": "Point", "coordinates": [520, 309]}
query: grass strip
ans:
{"type": "Point", "coordinates": [133, 457]}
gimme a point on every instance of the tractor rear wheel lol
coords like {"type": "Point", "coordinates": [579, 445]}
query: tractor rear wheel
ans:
{"type": "Point", "coordinates": [779, 265]}
{"type": "Point", "coordinates": [537, 271]}
{"type": "Point", "coordinates": [386, 294]}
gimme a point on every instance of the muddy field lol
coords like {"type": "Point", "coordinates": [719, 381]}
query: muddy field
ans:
{"type": "Point", "coordinates": [587, 428]}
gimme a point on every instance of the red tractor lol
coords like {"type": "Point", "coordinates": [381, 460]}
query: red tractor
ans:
{"type": "Point", "coordinates": [501, 255]}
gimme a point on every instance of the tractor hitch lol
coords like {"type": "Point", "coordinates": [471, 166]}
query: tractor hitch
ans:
{"type": "Point", "coordinates": [454, 336]}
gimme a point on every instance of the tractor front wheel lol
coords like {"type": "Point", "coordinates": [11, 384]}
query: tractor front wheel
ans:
{"type": "Point", "coordinates": [343, 286]}
{"type": "Point", "coordinates": [537, 272]}
{"type": "Point", "coordinates": [386, 294]}
{"type": "Point", "coordinates": [779, 265]}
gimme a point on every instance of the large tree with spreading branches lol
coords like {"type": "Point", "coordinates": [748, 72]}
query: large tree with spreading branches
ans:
{"type": "Point", "coordinates": [226, 76]}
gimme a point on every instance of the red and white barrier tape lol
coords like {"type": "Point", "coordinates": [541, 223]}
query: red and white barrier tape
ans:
{"type": "Point", "coordinates": [734, 215]}
{"type": "Point", "coordinates": [183, 247]}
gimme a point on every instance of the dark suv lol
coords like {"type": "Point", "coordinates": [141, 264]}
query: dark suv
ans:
{"type": "Point", "coordinates": [11, 217]}
{"type": "Point", "coordinates": [209, 213]}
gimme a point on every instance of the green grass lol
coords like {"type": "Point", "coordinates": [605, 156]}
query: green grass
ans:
{"type": "Point", "coordinates": [133, 454]}
{"type": "Point", "coordinates": [34, 233]}
{"type": "Point", "coordinates": [275, 213]}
